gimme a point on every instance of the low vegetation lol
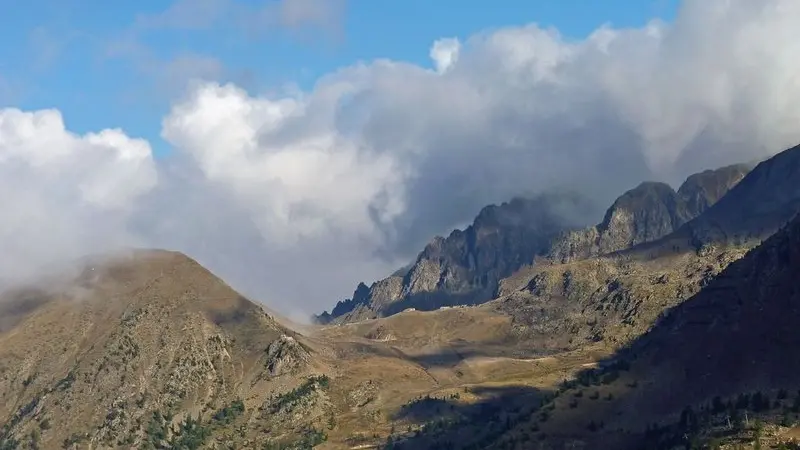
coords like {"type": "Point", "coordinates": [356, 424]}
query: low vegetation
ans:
{"type": "Point", "coordinates": [299, 394]}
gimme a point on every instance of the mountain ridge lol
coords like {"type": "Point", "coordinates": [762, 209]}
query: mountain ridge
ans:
{"type": "Point", "coordinates": [445, 274]}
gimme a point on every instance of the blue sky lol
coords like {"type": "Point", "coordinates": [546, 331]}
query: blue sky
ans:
{"type": "Point", "coordinates": [102, 68]}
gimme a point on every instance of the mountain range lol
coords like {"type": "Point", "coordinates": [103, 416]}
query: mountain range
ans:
{"type": "Point", "coordinates": [466, 267]}
{"type": "Point", "coordinates": [669, 324]}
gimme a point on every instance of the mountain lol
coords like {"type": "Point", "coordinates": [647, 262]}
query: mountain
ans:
{"type": "Point", "coordinates": [466, 268]}
{"type": "Point", "coordinates": [703, 334]}
{"type": "Point", "coordinates": [616, 297]}
{"type": "Point", "coordinates": [133, 350]}
{"type": "Point", "coordinates": [702, 330]}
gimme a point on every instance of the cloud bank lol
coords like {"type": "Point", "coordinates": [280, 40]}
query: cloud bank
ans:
{"type": "Point", "coordinates": [296, 198]}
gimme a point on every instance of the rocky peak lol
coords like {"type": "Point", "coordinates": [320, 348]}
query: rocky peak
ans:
{"type": "Point", "coordinates": [360, 296]}
{"type": "Point", "coordinates": [702, 190]}
{"type": "Point", "coordinates": [466, 266]}
{"type": "Point", "coordinates": [649, 212]}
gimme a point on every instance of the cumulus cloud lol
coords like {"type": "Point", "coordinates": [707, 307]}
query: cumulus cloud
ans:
{"type": "Point", "coordinates": [65, 195]}
{"type": "Point", "coordinates": [444, 53]}
{"type": "Point", "coordinates": [296, 197]}
{"type": "Point", "coordinates": [315, 181]}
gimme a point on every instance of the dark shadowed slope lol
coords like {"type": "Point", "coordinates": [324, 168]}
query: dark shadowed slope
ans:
{"type": "Point", "coordinates": [758, 206]}
{"type": "Point", "coordinates": [740, 333]}
{"type": "Point", "coordinates": [728, 351]}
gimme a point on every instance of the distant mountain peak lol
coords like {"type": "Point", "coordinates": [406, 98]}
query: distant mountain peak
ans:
{"type": "Point", "coordinates": [649, 212]}
{"type": "Point", "coordinates": [466, 266]}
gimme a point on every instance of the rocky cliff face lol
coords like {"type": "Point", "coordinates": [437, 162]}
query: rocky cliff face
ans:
{"type": "Point", "coordinates": [648, 212]}
{"type": "Point", "coordinates": [466, 267]}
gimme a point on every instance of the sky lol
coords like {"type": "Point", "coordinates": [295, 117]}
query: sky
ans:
{"type": "Point", "coordinates": [297, 147]}
{"type": "Point", "coordinates": [107, 66]}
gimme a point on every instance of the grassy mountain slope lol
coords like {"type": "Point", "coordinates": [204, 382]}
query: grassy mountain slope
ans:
{"type": "Point", "coordinates": [131, 341]}
{"type": "Point", "coordinates": [150, 350]}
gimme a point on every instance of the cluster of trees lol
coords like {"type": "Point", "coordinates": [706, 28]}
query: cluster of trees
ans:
{"type": "Point", "coordinates": [191, 433]}
{"type": "Point", "coordinates": [295, 395]}
{"type": "Point", "coordinates": [475, 427]}
{"type": "Point", "coordinates": [729, 417]}
{"type": "Point", "coordinates": [229, 413]}
{"type": "Point", "coordinates": [309, 438]}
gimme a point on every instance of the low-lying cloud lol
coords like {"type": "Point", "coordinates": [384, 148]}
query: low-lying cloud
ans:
{"type": "Point", "coordinates": [294, 198]}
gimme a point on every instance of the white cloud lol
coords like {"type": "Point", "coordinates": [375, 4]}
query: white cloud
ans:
{"type": "Point", "coordinates": [293, 197]}
{"type": "Point", "coordinates": [444, 53]}
{"type": "Point", "coordinates": [296, 186]}
{"type": "Point", "coordinates": [64, 195]}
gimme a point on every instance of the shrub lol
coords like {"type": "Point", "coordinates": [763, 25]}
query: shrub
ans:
{"type": "Point", "coordinates": [229, 413]}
